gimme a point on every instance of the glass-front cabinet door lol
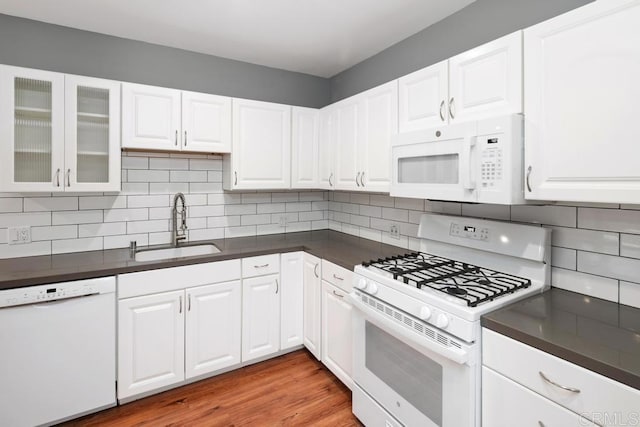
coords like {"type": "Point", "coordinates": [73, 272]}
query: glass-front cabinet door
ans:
{"type": "Point", "coordinates": [92, 134]}
{"type": "Point", "coordinates": [31, 130]}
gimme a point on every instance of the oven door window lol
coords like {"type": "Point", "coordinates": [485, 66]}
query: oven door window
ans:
{"type": "Point", "coordinates": [409, 373]}
{"type": "Point", "coordinates": [432, 169]}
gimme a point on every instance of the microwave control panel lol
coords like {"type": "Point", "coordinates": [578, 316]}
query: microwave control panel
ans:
{"type": "Point", "coordinates": [491, 162]}
{"type": "Point", "coordinates": [469, 231]}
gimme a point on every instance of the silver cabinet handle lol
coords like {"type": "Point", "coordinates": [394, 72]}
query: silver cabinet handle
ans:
{"type": "Point", "coordinates": [358, 177]}
{"type": "Point", "coordinates": [277, 286]}
{"type": "Point", "coordinates": [442, 114]}
{"type": "Point", "coordinates": [180, 309]}
{"type": "Point", "coordinates": [261, 266]}
{"type": "Point", "coordinates": [58, 178]}
{"type": "Point", "coordinates": [452, 111]}
{"type": "Point", "coordinates": [338, 295]}
{"type": "Point", "coordinates": [68, 177]}
{"type": "Point", "coordinates": [185, 138]}
{"type": "Point", "coordinates": [189, 302]}
{"type": "Point", "coordinates": [236, 175]}
{"type": "Point", "coordinates": [571, 389]}
{"type": "Point", "coordinates": [176, 137]}
{"type": "Point", "coordinates": [338, 277]}
{"type": "Point", "coordinates": [528, 175]}
{"type": "Point", "coordinates": [315, 271]}
{"type": "Point", "coordinates": [330, 182]}
{"type": "Point", "coordinates": [362, 179]}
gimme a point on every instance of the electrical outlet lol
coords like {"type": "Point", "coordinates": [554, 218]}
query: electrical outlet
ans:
{"type": "Point", "coordinates": [19, 235]}
{"type": "Point", "coordinates": [394, 231]}
{"type": "Point", "coordinates": [283, 221]}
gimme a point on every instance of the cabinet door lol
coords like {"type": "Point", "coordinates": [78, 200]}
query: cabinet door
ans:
{"type": "Point", "coordinates": [380, 116]}
{"type": "Point", "coordinates": [582, 98]}
{"type": "Point", "coordinates": [305, 136]}
{"type": "Point", "coordinates": [506, 403]}
{"type": "Point", "coordinates": [260, 316]}
{"type": "Point", "coordinates": [348, 142]}
{"type": "Point", "coordinates": [206, 123]}
{"type": "Point", "coordinates": [312, 303]}
{"type": "Point", "coordinates": [487, 81]}
{"type": "Point", "coordinates": [31, 130]}
{"type": "Point", "coordinates": [336, 332]}
{"type": "Point", "coordinates": [423, 98]}
{"type": "Point", "coordinates": [150, 342]}
{"type": "Point", "coordinates": [261, 145]}
{"type": "Point", "coordinates": [213, 328]}
{"type": "Point", "coordinates": [326, 151]}
{"type": "Point", "coordinates": [291, 300]}
{"type": "Point", "coordinates": [150, 117]}
{"type": "Point", "coordinates": [92, 137]}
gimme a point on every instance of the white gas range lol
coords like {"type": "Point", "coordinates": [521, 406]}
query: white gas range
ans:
{"type": "Point", "coordinates": [417, 319]}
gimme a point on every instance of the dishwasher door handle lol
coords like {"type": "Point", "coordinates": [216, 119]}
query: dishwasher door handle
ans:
{"type": "Point", "coordinates": [53, 302]}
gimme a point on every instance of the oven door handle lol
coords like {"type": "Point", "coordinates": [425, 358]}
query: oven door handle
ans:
{"type": "Point", "coordinates": [468, 181]}
{"type": "Point", "coordinates": [425, 345]}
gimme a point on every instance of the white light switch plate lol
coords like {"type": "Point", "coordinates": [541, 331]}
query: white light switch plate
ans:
{"type": "Point", "coordinates": [19, 235]}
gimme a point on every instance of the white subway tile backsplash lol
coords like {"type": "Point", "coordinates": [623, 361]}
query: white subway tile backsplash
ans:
{"type": "Point", "coordinates": [205, 187]}
{"type": "Point", "coordinates": [627, 269]}
{"type": "Point", "coordinates": [102, 229]}
{"type": "Point", "coordinates": [448, 208]}
{"type": "Point", "coordinates": [361, 221]}
{"type": "Point", "coordinates": [587, 240]}
{"type": "Point", "coordinates": [249, 230]}
{"type": "Point", "coordinates": [499, 212]}
{"type": "Point", "coordinates": [284, 197]}
{"type": "Point", "coordinates": [395, 214]}
{"type": "Point", "coordinates": [256, 198]}
{"type": "Point", "coordinates": [188, 176]}
{"type": "Point", "coordinates": [161, 238]}
{"type": "Point", "coordinates": [205, 164]}
{"type": "Point", "coordinates": [350, 208]}
{"type": "Point", "coordinates": [548, 215]}
{"type": "Point", "coordinates": [123, 241]}
{"type": "Point", "coordinates": [134, 188]}
{"type": "Point", "coordinates": [224, 198]}
{"type": "Point", "coordinates": [196, 223]}
{"type": "Point", "coordinates": [54, 232]}
{"type": "Point", "coordinates": [271, 208]}
{"type": "Point", "coordinates": [407, 203]}
{"type": "Point", "coordinates": [137, 227]}
{"type": "Point", "coordinates": [596, 286]}
{"type": "Point", "coordinates": [312, 196]}
{"type": "Point", "coordinates": [320, 225]}
{"type": "Point", "coordinates": [10, 204]}
{"type": "Point", "coordinates": [255, 219]}
{"type": "Point", "coordinates": [630, 294]}
{"type": "Point", "coordinates": [28, 249]}
{"type": "Point", "coordinates": [311, 216]}
{"type": "Point", "coordinates": [564, 258]}
{"type": "Point", "coordinates": [135, 175]}
{"type": "Point", "coordinates": [76, 217]}
{"type": "Point", "coordinates": [630, 247]}
{"type": "Point", "coordinates": [381, 200]}
{"type": "Point", "coordinates": [372, 211]}
{"type": "Point", "coordinates": [148, 201]}
{"type": "Point", "coordinates": [223, 221]}
{"type": "Point", "coordinates": [129, 162]}
{"type": "Point", "coordinates": [115, 215]}
{"type": "Point", "coordinates": [160, 213]}
{"type": "Point", "coordinates": [624, 221]}
{"type": "Point", "coordinates": [359, 198]}
{"type": "Point", "coordinates": [295, 227]}
{"type": "Point", "coordinates": [167, 163]}
{"type": "Point", "coordinates": [320, 206]}
{"type": "Point", "coordinates": [342, 197]}
{"type": "Point", "coordinates": [269, 229]}
{"type": "Point", "coordinates": [214, 176]}
{"type": "Point", "coordinates": [102, 202]}
{"type": "Point", "coordinates": [288, 217]}
{"type": "Point", "coordinates": [240, 209]}
{"type": "Point", "coordinates": [76, 245]}
{"type": "Point", "coordinates": [41, 204]}
{"type": "Point", "coordinates": [206, 234]}
{"type": "Point", "coordinates": [367, 233]}
{"type": "Point", "coordinates": [204, 211]}
{"type": "Point", "coordinates": [298, 207]}
{"type": "Point", "coordinates": [168, 187]}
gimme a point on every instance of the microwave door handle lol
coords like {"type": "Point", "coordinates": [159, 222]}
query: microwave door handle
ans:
{"type": "Point", "coordinates": [467, 167]}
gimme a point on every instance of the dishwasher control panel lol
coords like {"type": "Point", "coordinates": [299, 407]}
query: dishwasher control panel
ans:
{"type": "Point", "coordinates": [53, 292]}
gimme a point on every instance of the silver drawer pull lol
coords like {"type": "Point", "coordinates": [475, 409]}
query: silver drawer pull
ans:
{"type": "Point", "coordinates": [337, 277]}
{"type": "Point", "coordinates": [338, 295]}
{"type": "Point", "coordinates": [261, 266]}
{"type": "Point", "coordinates": [571, 389]}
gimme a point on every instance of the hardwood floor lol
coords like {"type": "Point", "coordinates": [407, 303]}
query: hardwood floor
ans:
{"type": "Point", "coordinates": [291, 390]}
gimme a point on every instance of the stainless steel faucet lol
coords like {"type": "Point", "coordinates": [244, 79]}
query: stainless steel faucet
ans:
{"type": "Point", "coordinates": [179, 234]}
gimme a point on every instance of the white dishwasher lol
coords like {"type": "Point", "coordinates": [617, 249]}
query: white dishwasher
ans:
{"type": "Point", "coordinates": [58, 351]}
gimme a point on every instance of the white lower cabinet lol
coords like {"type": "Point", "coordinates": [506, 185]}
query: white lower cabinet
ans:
{"type": "Point", "coordinates": [213, 328]}
{"type": "Point", "coordinates": [506, 403]}
{"type": "Point", "coordinates": [291, 300]}
{"type": "Point", "coordinates": [312, 295]}
{"type": "Point", "coordinates": [260, 316]}
{"type": "Point", "coordinates": [150, 342]}
{"type": "Point", "coordinates": [336, 332]}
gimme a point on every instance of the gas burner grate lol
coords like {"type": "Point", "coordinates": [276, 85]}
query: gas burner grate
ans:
{"type": "Point", "coordinates": [467, 283]}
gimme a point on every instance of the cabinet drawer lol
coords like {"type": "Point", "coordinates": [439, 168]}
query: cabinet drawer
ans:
{"type": "Point", "coordinates": [600, 399]}
{"type": "Point", "coordinates": [338, 276]}
{"type": "Point", "coordinates": [506, 404]}
{"type": "Point", "coordinates": [260, 265]}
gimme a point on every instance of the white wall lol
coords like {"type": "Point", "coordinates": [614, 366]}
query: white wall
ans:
{"type": "Point", "coordinates": [596, 248]}
{"type": "Point", "coordinates": [63, 222]}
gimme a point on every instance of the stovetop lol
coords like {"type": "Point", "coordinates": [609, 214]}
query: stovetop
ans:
{"type": "Point", "coordinates": [468, 284]}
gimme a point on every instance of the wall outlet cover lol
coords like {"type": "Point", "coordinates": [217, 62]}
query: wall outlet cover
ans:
{"type": "Point", "coordinates": [394, 231]}
{"type": "Point", "coordinates": [19, 235]}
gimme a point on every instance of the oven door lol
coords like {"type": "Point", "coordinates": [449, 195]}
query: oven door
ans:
{"type": "Point", "coordinates": [436, 167]}
{"type": "Point", "coordinates": [420, 381]}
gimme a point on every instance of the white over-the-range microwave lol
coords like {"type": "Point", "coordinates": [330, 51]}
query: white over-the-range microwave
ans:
{"type": "Point", "coordinates": [478, 161]}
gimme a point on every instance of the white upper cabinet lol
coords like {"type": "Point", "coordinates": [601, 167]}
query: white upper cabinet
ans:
{"type": "Point", "coordinates": [380, 116]}
{"type": "Point", "coordinates": [305, 136]}
{"type": "Point", "coordinates": [92, 134]}
{"type": "Point", "coordinates": [261, 154]}
{"type": "Point", "coordinates": [365, 124]}
{"type": "Point", "coordinates": [486, 81]}
{"type": "Point", "coordinates": [326, 151]}
{"type": "Point", "coordinates": [582, 97]}
{"type": "Point", "coordinates": [150, 117]}
{"type": "Point", "coordinates": [423, 98]}
{"type": "Point", "coordinates": [59, 132]}
{"type": "Point", "coordinates": [206, 123]}
{"type": "Point", "coordinates": [483, 82]}
{"type": "Point", "coordinates": [157, 118]}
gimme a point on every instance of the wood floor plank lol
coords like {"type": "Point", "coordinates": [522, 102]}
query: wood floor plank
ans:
{"type": "Point", "coordinates": [290, 390]}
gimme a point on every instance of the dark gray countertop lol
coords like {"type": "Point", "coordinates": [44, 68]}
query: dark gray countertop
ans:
{"type": "Point", "coordinates": [338, 248]}
{"type": "Point", "coordinates": [599, 335]}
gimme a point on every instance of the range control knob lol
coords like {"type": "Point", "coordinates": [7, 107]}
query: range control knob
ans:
{"type": "Point", "coordinates": [442, 321]}
{"type": "Point", "coordinates": [425, 313]}
{"type": "Point", "coordinates": [362, 283]}
{"type": "Point", "coordinates": [372, 288]}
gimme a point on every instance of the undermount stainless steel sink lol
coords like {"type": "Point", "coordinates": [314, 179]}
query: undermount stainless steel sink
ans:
{"type": "Point", "coordinates": [177, 252]}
